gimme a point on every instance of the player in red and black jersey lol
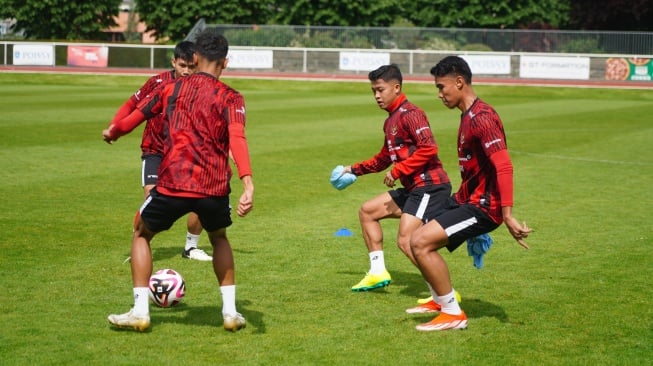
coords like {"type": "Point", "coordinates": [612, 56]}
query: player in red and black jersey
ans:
{"type": "Point", "coordinates": [152, 141]}
{"type": "Point", "coordinates": [204, 124]}
{"type": "Point", "coordinates": [485, 197]}
{"type": "Point", "coordinates": [410, 148]}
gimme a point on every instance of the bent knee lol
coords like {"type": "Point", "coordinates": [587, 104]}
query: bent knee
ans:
{"type": "Point", "coordinates": [424, 240]}
{"type": "Point", "coordinates": [404, 244]}
{"type": "Point", "coordinates": [367, 210]}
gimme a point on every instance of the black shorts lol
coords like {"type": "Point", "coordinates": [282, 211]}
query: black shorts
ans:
{"type": "Point", "coordinates": [462, 222]}
{"type": "Point", "coordinates": [159, 211]}
{"type": "Point", "coordinates": [423, 202]}
{"type": "Point", "coordinates": [150, 169]}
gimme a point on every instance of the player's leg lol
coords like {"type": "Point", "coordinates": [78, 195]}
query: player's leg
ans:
{"type": "Point", "coordinates": [422, 204]}
{"type": "Point", "coordinates": [214, 214]}
{"type": "Point", "coordinates": [425, 243]}
{"type": "Point", "coordinates": [149, 177]}
{"type": "Point", "coordinates": [449, 229]}
{"type": "Point", "coordinates": [407, 224]}
{"type": "Point", "coordinates": [157, 213]}
{"type": "Point", "coordinates": [194, 229]}
{"type": "Point", "coordinates": [370, 214]}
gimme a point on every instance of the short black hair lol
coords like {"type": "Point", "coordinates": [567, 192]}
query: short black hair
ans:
{"type": "Point", "coordinates": [184, 50]}
{"type": "Point", "coordinates": [453, 65]}
{"type": "Point", "coordinates": [211, 45]}
{"type": "Point", "coordinates": [386, 73]}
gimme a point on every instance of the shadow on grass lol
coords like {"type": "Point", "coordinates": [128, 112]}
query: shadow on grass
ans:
{"type": "Point", "coordinates": [412, 285]}
{"type": "Point", "coordinates": [160, 252]}
{"type": "Point", "coordinates": [207, 316]}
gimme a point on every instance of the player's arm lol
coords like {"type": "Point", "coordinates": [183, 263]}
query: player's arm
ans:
{"type": "Point", "coordinates": [239, 152]}
{"type": "Point", "coordinates": [125, 109]}
{"type": "Point", "coordinates": [416, 125]}
{"type": "Point", "coordinates": [147, 108]}
{"type": "Point", "coordinates": [504, 170]}
{"type": "Point", "coordinates": [130, 105]}
{"type": "Point", "coordinates": [375, 164]}
{"type": "Point", "coordinates": [415, 162]}
{"type": "Point", "coordinates": [122, 127]}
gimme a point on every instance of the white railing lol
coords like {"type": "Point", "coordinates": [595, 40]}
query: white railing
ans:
{"type": "Point", "coordinates": [587, 66]}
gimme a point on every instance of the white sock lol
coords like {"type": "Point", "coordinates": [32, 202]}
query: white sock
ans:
{"type": "Point", "coordinates": [228, 299]}
{"type": "Point", "coordinates": [141, 301]}
{"type": "Point", "coordinates": [449, 303]}
{"type": "Point", "coordinates": [377, 262]}
{"type": "Point", "coordinates": [191, 241]}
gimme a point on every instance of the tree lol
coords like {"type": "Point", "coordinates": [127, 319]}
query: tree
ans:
{"type": "Point", "coordinates": [497, 14]}
{"type": "Point", "coordinates": [61, 19]}
{"type": "Point", "coordinates": [172, 20]}
{"type": "Point", "coordinates": [624, 15]}
{"type": "Point", "coordinates": [380, 13]}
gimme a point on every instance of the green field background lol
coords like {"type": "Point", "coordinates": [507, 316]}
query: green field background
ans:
{"type": "Point", "coordinates": [582, 295]}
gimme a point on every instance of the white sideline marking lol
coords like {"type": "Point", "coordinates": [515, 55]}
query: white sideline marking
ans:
{"type": "Point", "coordinates": [563, 157]}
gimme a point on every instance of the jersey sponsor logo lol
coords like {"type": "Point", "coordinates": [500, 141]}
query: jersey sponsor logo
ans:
{"type": "Point", "coordinates": [488, 144]}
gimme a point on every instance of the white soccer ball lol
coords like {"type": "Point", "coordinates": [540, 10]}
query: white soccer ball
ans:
{"type": "Point", "coordinates": [167, 288]}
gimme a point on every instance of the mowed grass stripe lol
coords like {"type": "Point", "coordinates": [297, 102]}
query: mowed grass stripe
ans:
{"type": "Point", "coordinates": [579, 296]}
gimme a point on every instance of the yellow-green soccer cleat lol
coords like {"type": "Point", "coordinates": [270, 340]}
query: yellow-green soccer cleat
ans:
{"type": "Point", "coordinates": [372, 281]}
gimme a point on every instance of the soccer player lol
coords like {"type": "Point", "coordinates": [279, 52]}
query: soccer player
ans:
{"type": "Point", "coordinates": [205, 121]}
{"type": "Point", "coordinates": [410, 148]}
{"type": "Point", "coordinates": [151, 144]}
{"type": "Point", "coordinates": [484, 199]}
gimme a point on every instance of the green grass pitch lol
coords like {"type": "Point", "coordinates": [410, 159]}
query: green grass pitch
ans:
{"type": "Point", "coordinates": [581, 296]}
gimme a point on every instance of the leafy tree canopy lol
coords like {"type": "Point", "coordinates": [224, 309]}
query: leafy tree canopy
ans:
{"type": "Point", "coordinates": [380, 13]}
{"type": "Point", "coordinates": [61, 19]}
{"type": "Point", "coordinates": [626, 15]}
{"type": "Point", "coordinates": [486, 14]}
{"type": "Point", "coordinates": [173, 19]}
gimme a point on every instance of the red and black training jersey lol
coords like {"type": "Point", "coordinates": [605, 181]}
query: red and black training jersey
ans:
{"type": "Point", "coordinates": [480, 135]}
{"type": "Point", "coordinates": [204, 120]}
{"type": "Point", "coordinates": [409, 145]}
{"type": "Point", "coordinates": [152, 141]}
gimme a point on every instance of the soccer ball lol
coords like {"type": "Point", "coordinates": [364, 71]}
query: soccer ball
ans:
{"type": "Point", "coordinates": [167, 288]}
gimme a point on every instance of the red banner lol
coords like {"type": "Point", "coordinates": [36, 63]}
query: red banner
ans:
{"type": "Point", "coordinates": [90, 56]}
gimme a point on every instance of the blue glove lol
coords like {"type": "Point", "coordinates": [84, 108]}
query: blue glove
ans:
{"type": "Point", "coordinates": [477, 247]}
{"type": "Point", "coordinates": [341, 180]}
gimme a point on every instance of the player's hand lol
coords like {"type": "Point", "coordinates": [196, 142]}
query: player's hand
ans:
{"type": "Point", "coordinates": [389, 180]}
{"type": "Point", "coordinates": [518, 231]}
{"type": "Point", "coordinates": [246, 201]}
{"type": "Point", "coordinates": [106, 136]}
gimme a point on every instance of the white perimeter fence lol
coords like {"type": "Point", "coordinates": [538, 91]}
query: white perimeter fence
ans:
{"type": "Point", "coordinates": [339, 61]}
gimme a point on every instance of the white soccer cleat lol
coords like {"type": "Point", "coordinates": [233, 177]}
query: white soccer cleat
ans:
{"type": "Point", "coordinates": [129, 320]}
{"type": "Point", "coordinates": [197, 254]}
{"type": "Point", "coordinates": [234, 322]}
